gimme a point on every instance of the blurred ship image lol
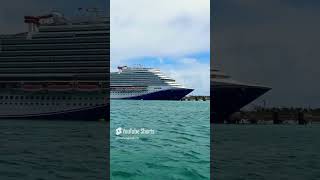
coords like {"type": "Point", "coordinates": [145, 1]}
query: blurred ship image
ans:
{"type": "Point", "coordinates": [139, 83]}
{"type": "Point", "coordinates": [229, 96]}
{"type": "Point", "coordinates": [59, 69]}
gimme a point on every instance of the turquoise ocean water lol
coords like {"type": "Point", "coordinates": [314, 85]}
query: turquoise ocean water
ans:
{"type": "Point", "coordinates": [178, 149]}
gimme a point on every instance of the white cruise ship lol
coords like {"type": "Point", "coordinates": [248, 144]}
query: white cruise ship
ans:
{"type": "Point", "coordinates": [141, 83]}
{"type": "Point", "coordinates": [58, 69]}
{"type": "Point", "coordinates": [229, 96]}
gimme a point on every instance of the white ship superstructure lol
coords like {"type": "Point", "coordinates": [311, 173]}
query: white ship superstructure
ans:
{"type": "Point", "coordinates": [56, 70]}
{"type": "Point", "coordinates": [145, 83]}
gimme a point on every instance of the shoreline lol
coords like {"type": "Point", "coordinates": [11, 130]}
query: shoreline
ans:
{"type": "Point", "coordinates": [275, 116]}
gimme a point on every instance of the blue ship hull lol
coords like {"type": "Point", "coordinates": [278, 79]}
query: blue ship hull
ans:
{"type": "Point", "coordinates": [171, 94]}
{"type": "Point", "coordinates": [86, 114]}
{"type": "Point", "coordinates": [229, 99]}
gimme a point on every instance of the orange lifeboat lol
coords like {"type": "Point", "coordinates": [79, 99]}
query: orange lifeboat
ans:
{"type": "Point", "coordinates": [59, 87]}
{"type": "Point", "coordinates": [32, 87]}
{"type": "Point", "coordinates": [88, 87]}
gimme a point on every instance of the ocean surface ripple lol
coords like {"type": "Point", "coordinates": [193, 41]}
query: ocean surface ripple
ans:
{"type": "Point", "coordinates": [178, 150]}
{"type": "Point", "coordinates": [53, 150]}
{"type": "Point", "coordinates": [264, 152]}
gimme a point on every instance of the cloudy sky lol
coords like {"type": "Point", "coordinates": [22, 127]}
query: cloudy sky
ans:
{"type": "Point", "coordinates": [12, 12]}
{"type": "Point", "coordinates": [273, 42]}
{"type": "Point", "coordinates": [173, 35]}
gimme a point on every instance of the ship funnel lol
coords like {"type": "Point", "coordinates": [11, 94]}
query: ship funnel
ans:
{"type": "Point", "coordinates": [33, 23]}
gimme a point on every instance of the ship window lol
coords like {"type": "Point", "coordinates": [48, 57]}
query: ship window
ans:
{"type": "Point", "coordinates": [80, 104]}
{"type": "Point", "coordinates": [11, 97]}
{"type": "Point", "coordinates": [16, 103]}
{"type": "Point", "coordinates": [58, 98]}
{"type": "Point", "coordinates": [27, 97]}
{"type": "Point", "coordinates": [31, 103]}
{"type": "Point", "coordinates": [48, 97]}
{"type": "Point", "coordinates": [21, 104]}
{"type": "Point", "coordinates": [37, 97]}
{"type": "Point", "coordinates": [1, 97]}
{"type": "Point", "coordinates": [69, 98]}
{"type": "Point", "coordinates": [16, 97]}
{"type": "Point", "coordinates": [37, 103]}
{"type": "Point", "coordinates": [42, 97]}
{"type": "Point", "coordinates": [31, 97]}
{"type": "Point", "coordinates": [47, 104]}
{"type": "Point", "coordinates": [63, 97]}
{"type": "Point", "coordinates": [21, 97]}
{"type": "Point", "coordinates": [68, 104]}
{"type": "Point", "coordinates": [53, 98]}
{"type": "Point", "coordinates": [42, 104]}
{"type": "Point", "coordinates": [74, 104]}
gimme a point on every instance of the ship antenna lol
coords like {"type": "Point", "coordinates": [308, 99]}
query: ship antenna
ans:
{"type": "Point", "coordinates": [81, 13]}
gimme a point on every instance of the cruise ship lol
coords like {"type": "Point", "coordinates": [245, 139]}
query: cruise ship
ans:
{"type": "Point", "coordinates": [140, 83]}
{"type": "Point", "coordinates": [230, 95]}
{"type": "Point", "coordinates": [57, 69]}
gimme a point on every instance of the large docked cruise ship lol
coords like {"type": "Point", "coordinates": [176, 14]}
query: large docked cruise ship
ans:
{"type": "Point", "coordinates": [141, 83]}
{"type": "Point", "coordinates": [230, 96]}
{"type": "Point", "coordinates": [58, 69]}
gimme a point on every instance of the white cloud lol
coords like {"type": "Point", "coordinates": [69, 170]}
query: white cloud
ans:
{"type": "Point", "coordinates": [158, 28]}
{"type": "Point", "coordinates": [191, 73]}
{"type": "Point", "coordinates": [164, 28]}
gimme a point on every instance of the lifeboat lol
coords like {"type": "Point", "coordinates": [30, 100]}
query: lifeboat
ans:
{"type": "Point", "coordinates": [88, 87]}
{"type": "Point", "coordinates": [59, 87]}
{"type": "Point", "coordinates": [32, 87]}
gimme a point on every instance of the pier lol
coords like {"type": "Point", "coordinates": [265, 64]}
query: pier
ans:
{"type": "Point", "coordinates": [196, 98]}
{"type": "Point", "coordinates": [275, 116]}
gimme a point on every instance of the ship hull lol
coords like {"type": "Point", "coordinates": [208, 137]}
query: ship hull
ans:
{"type": "Point", "coordinates": [86, 114]}
{"type": "Point", "coordinates": [54, 106]}
{"type": "Point", "coordinates": [169, 94]}
{"type": "Point", "coordinates": [229, 99]}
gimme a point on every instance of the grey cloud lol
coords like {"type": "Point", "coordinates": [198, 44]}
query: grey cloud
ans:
{"type": "Point", "coordinates": [272, 42]}
{"type": "Point", "coordinates": [13, 11]}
